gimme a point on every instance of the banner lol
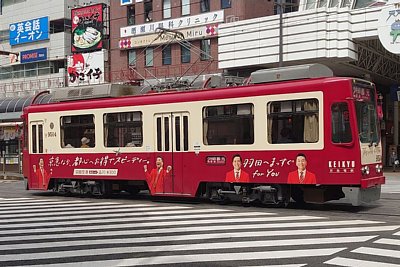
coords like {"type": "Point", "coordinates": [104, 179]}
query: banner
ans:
{"type": "Point", "coordinates": [87, 28]}
{"type": "Point", "coordinates": [86, 69]}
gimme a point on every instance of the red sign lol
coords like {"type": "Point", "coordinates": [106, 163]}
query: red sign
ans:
{"type": "Point", "coordinates": [87, 28]}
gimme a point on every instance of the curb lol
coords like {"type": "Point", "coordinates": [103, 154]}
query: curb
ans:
{"type": "Point", "coordinates": [11, 176]}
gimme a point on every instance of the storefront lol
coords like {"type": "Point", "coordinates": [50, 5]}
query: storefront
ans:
{"type": "Point", "coordinates": [11, 129]}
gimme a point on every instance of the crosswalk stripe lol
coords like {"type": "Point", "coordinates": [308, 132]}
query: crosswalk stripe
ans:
{"type": "Point", "coordinates": [11, 199]}
{"type": "Point", "coordinates": [64, 208]}
{"type": "Point", "coordinates": [285, 265]}
{"type": "Point", "coordinates": [197, 236]}
{"type": "Point", "coordinates": [82, 210]}
{"type": "Point", "coordinates": [185, 247]}
{"type": "Point", "coordinates": [102, 213]}
{"type": "Point", "coordinates": [51, 205]}
{"type": "Point", "coordinates": [212, 257]}
{"type": "Point", "coordinates": [10, 203]}
{"type": "Point", "coordinates": [194, 228]}
{"type": "Point", "coordinates": [387, 241]}
{"type": "Point", "coordinates": [378, 252]}
{"type": "Point", "coordinates": [186, 214]}
{"type": "Point", "coordinates": [340, 261]}
{"type": "Point", "coordinates": [398, 233]}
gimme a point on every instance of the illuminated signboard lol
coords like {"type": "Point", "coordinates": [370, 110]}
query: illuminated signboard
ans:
{"type": "Point", "coordinates": [29, 31]}
{"type": "Point", "coordinates": [87, 28]}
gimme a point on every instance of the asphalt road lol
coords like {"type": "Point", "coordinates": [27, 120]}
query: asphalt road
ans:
{"type": "Point", "coordinates": [43, 229]}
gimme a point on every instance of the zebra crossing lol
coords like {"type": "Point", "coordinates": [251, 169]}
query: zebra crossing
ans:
{"type": "Point", "coordinates": [76, 232]}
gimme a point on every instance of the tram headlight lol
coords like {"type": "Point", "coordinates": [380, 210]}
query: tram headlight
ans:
{"type": "Point", "coordinates": [378, 168]}
{"type": "Point", "coordinates": [365, 170]}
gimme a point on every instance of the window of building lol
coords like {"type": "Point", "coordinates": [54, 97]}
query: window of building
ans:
{"type": "Point", "coordinates": [293, 121]}
{"type": "Point", "coordinates": [123, 129]}
{"type": "Point", "coordinates": [226, 3]}
{"type": "Point", "coordinates": [30, 70]}
{"type": "Point", "coordinates": [148, 10]}
{"type": "Point", "coordinates": [77, 131]}
{"type": "Point", "coordinates": [346, 3]}
{"type": "Point", "coordinates": [167, 9]}
{"type": "Point", "coordinates": [131, 15]}
{"type": "Point", "coordinates": [60, 25]}
{"type": "Point", "coordinates": [132, 57]}
{"type": "Point", "coordinates": [18, 71]}
{"type": "Point", "coordinates": [204, 6]}
{"type": "Point", "coordinates": [291, 6]}
{"type": "Point", "coordinates": [4, 36]}
{"type": "Point", "coordinates": [11, 2]}
{"type": "Point", "coordinates": [341, 130]}
{"type": "Point", "coordinates": [228, 124]}
{"type": "Point", "coordinates": [185, 52]}
{"type": "Point", "coordinates": [334, 3]}
{"type": "Point", "coordinates": [5, 73]}
{"type": "Point", "coordinates": [166, 55]}
{"type": "Point", "coordinates": [310, 4]}
{"type": "Point", "coordinates": [44, 68]}
{"type": "Point", "coordinates": [205, 46]}
{"type": "Point", "coordinates": [185, 7]}
{"type": "Point", "coordinates": [149, 60]}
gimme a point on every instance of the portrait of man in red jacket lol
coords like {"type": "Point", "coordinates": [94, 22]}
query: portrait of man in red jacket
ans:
{"type": "Point", "coordinates": [237, 175]}
{"type": "Point", "coordinates": [301, 175]}
{"type": "Point", "coordinates": [41, 174]}
{"type": "Point", "coordinates": [157, 175]}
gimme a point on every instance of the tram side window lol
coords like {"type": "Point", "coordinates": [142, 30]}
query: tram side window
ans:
{"type": "Point", "coordinates": [293, 121]}
{"type": "Point", "coordinates": [228, 124]}
{"type": "Point", "coordinates": [123, 129]}
{"type": "Point", "coordinates": [341, 131]}
{"type": "Point", "coordinates": [77, 128]}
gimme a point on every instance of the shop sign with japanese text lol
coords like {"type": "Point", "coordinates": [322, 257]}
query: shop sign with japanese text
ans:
{"type": "Point", "coordinates": [86, 69]}
{"type": "Point", "coordinates": [207, 31]}
{"type": "Point", "coordinates": [29, 31]}
{"type": "Point", "coordinates": [174, 24]}
{"type": "Point", "coordinates": [87, 28]}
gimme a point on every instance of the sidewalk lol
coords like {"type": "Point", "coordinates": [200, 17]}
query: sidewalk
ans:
{"type": "Point", "coordinates": [11, 176]}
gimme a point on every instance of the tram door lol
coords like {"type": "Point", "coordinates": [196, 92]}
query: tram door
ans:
{"type": "Point", "coordinates": [172, 137]}
{"type": "Point", "coordinates": [35, 148]}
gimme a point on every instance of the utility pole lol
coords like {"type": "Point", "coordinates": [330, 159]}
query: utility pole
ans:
{"type": "Point", "coordinates": [280, 11]}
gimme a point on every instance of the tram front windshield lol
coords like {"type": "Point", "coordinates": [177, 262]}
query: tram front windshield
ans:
{"type": "Point", "coordinates": [366, 111]}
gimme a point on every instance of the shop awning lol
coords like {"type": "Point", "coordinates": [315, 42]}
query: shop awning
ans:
{"type": "Point", "coordinates": [11, 108]}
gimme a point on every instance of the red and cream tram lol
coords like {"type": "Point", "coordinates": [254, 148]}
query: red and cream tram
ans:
{"type": "Point", "coordinates": [295, 132]}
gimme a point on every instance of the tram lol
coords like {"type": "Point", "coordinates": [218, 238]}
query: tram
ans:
{"type": "Point", "coordinates": [295, 133]}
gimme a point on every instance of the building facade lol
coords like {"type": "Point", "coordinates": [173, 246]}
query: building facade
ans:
{"type": "Point", "coordinates": [340, 34]}
{"type": "Point", "coordinates": [35, 41]}
{"type": "Point", "coordinates": [154, 40]}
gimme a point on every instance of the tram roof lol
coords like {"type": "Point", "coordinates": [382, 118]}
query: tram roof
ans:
{"type": "Point", "coordinates": [184, 96]}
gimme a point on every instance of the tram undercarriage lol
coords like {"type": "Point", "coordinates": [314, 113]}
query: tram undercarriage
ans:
{"type": "Point", "coordinates": [278, 195]}
{"type": "Point", "coordinates": [96, 187]}
{"type": "Point", "coordinates": [275, 195]}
